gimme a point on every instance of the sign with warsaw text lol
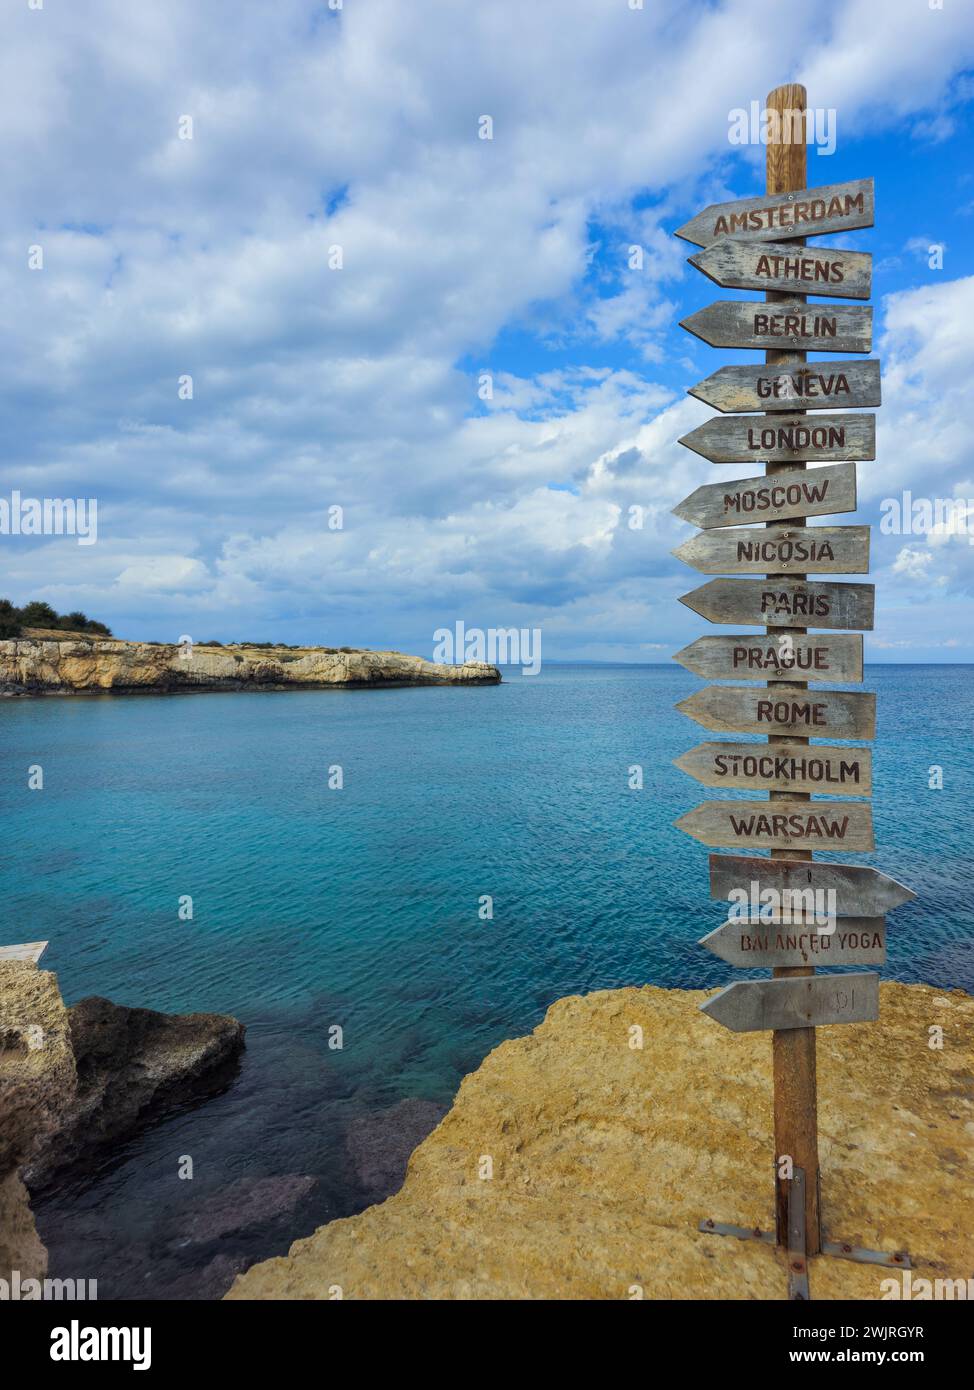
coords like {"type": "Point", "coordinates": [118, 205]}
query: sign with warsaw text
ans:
{"type": "Point", "coordinates": [837, 207]}
{"type": "Point", "coordinates": [846, 826]}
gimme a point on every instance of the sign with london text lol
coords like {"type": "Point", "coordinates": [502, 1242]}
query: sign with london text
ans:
{"type": "Point", "coordinates": [846, 826]}
{"type": "Point", "coordinates": [776, 945]}
{"type": "Point", "coordinates": [777, 656]}
{"type": "Point", "coordinates": [746, 709]}
{"type": "Point", "coordinates": [802, 386]}
{"type": "Point", "coordinates": [751, 1006]}
{"type": "Point", "coordinates": [784, 603]}
{"type": "Point", "coordinates": [781, 767]}
{"type": "Point", "coordinates": [780, 549]}
{"type": "Point", "coordinates": [810, 492]}
{"type": "Point", "coordinates": [739, 264]}
{"type": "Point", "coordinates": [788, 439]}
{"type": "Point", "coordinates": [837, 207]}
{"type": "Point", "coordinates": [792, 324]}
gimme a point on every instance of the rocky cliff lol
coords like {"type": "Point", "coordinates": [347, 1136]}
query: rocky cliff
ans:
{"type": "Point", "coordinates": [41, 664]}
{"type": "Point", "coordinates": [576, 1165]}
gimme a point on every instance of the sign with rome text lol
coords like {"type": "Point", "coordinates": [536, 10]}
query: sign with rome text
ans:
{"type": "Point", "coordinates": [791, 324]}
{"type": "Point", "coordinates": [780, 550]}
{"type": "Point", "coordinates": [837, 207]}
{"type": "Point", "coordinates": [746, 709]}
{"type": "Point", "coordinates": [784, 603]}
{"type": "Point", "coordinates": [777, 656]}
{"type": "Point", "coordinates": [781, 767]}
{"type": "Point", "coordinates": [777, 945]}
{"type": "Point", "coordinates": [790, 439]}
{"type": "Point", "coordinates": [831, 825]}
{"type": "Point", "coordinates": [784, 496]}
{"type": "Point", "coordinates": [738, 264]}
{"type": "Point", "coordinates": [802, 386]}
{"type": "Point", "coordinates": [812, 1001]}
{"type": "Point", "coordinates": [855, 890]}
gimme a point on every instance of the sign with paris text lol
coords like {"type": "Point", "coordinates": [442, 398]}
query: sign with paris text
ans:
{"type": "Point", "coordinates": [785, 439]}
{"type": "Point", "coordinates": [790, 325]}
{"type": "Point", "coordinates": [806, 492]}
{"type": "Point", "coordinates": [784, 603]}
{"type": "Point", "coordinates": [837, 207]}
{"type": "Point", "coordinates": [780, 767]}
{"type": "Point", "coordinates": [798, 386]}
{"type": "Point", "coordinates": [784, 945]}
{"type": "Point", "coordinates": [831, 825]}
{"type": "Point", "coordinates": [780, 550]}
{"type": "Point", "coordinates": [751, 1006]}
{"type": "Point", "coordinates": [852, 890]}
{"type": "Point", "coordinates": [778, 656]}
{"type": "Point", "coordinates": [738, 264]}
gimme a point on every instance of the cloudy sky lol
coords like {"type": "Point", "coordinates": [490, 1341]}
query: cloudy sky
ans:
{"type": "Point", "coordinates": [357, 126]}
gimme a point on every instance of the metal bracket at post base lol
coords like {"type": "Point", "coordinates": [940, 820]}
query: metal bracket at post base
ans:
{"type": "Point", "coordinates": [840, 1250]}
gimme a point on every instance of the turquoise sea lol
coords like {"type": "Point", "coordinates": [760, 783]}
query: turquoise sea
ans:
{"type": "Point", "coordinates": [360, 907]}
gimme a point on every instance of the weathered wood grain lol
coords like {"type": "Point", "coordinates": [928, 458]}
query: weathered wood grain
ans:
{"type": "Point", "coordinates": [859, 890]}
{"type": "Point", "coordinates": [800, 492]}
{"type": "Point", "coordinates": [738, 264]}
{"type": "Point", "coordinates": [751, 1006]}
{"type": "Point", "coordinates": [779, 550]}
{"type": "Point", "coordinates": [835, 657]}
{"type": "Point", "coordinates": [803, 386]}
{"type": "Point", "coordinates": [774, 945]}
{"type": "Point", "coordinates": [784, 439]}
{"type": "Point", "coordinates": [836, 207]}
{"type": "Point", "coordinates": [835, 825]}
{"type": "Point", "coordinates": [784, 603]}
{"type": "Point", "coordinates": [783, 767]}
{"type": "Point", "coordinates": [747, 709]}
{"type": "Point", "coordinates": [789, 325]}
{"type": "Point", "coordinates": [29, 951]}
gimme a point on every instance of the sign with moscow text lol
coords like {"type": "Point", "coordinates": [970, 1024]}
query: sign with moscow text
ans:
{"type": "Point", "coordinates": [739, 264]}
{"type": "Point", "coordinates": [790, 439]}
{"type": "Point", "coordinates": [789, 325]}
{"type": "Point", "coordinates": [837, 207]}
{"type": "Point", "coordinates": [804, 825]}
{"type": "Point", "coordinates": [805, 492]}
{"type": "Point", "coordinates": [802, 386]}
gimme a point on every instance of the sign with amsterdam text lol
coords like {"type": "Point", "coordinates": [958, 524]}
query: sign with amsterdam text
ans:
{"type": "Point", "coordinates": [802, 386]}
{"type": "Point", "coordinates": [780, 549]}
{"type": "Point", "coordinates": [777, 656]}
{"type": "Point", "coordinates": [853, 890]}
{"type": "Point", "coordinates": [828, 825]}
{"type": "Point", "coordinates": [785, 439]}
{"type": "Point", "coordinates": [784, 603]}
{"type": "Point", "coordinates": [791, 324]}
{"type": "Point", "coordinates": [810, 492]}
{"type": "Point", "coordinates": [751, 1006]}
{"type": "Point", "coordinates": [777, 945]}
{"type": "Point", "coordinates": [837, 207]}
{"type": "Point", "coordinates": [781, 767]}
{"type": "Point", "coordinates": [746, 709]}
{"type": "Point", "coordinates": [739, 264]}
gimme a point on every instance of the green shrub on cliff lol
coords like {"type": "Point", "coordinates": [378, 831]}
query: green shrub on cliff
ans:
{"type": "Point", "coordinates": [38, 614]}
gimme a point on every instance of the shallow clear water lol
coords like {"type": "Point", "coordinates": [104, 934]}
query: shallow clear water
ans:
{"type": "Point", "coordinates": [359, 907]}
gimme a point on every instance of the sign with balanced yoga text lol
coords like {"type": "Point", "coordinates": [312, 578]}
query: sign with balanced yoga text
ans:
{"type": "Point", "coordinates": [809, 492]}
{"type": "Point", "coordinates": [801, 386]}
{"type": "Point", "coordinates": [736, 263]}
{"type": "Point", "coordinates": [784, 439]}
{"type": "Point", "coordinates": [838, 207]}
{"type": "Point", "coordinates": [776, 945]}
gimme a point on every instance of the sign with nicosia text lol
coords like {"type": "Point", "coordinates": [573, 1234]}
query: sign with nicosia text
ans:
{"type": "Point", "coordinates": [780, 549]}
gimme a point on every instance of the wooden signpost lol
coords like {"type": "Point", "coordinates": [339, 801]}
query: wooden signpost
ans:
{"type": "Point", "coordinates": [790, 913]}
{"type": "Point", "coordinates": [784, 439]}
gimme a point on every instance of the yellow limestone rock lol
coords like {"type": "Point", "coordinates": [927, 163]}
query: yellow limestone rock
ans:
{"type": "Point", "coordinates": [605, 1156]}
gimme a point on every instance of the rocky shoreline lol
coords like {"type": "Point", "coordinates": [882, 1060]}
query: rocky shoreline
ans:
{"type": "Point", "coordinates": [42, 663]}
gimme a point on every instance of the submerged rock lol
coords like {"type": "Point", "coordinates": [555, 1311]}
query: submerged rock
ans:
{"type": "Point", "coordinates": [132, 1065]}
{"type": "Point", "coordinates": [379, 1144]}
{"type": "Point", "coordinates": [48, 665]}
{"type": "Point", "coordinates": [247, 1203]}
{"type": "Point", "coordinates": [574, 1165]}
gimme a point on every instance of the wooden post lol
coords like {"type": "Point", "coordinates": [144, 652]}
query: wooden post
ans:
{"type": "Point", "coordinates": [793, 1050]}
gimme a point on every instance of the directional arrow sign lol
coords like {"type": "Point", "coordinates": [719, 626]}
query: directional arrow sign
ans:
{"type": "Point", "coordinates": [742, 709]}
{"type": "Point", "coordinates": [803, 386]}
{"type": "Point", "coordinates": [787, 767]}
{"type": "Point", "coordinates": [805, 492]}
{"type": "Point", "coordinates": [739, 264]}
{"type": "Point", "coordinates": [837, 207]}
{"type": "Point", "coordinates": [748, 323]}
{"type": "Point", "coordinates": [751, 1006]}
{"type": "Point", "coordinates": [850, 890]}
{"type": "Point", "coordinates": [773, 945]}
{"type": "Point", "coordinates": [780, 550]}
{"type": "Point", "coordinates": [784, 603]}
{"type": "Point", "coordinates": [837, 825]}
{"type": "Point", "coordinates": [819, 439]}
{"type": "Point", "coordinates": [779, 656]}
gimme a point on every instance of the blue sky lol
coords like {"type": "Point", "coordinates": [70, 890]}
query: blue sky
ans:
{"type": "Point", "coordinates": [357, 387]}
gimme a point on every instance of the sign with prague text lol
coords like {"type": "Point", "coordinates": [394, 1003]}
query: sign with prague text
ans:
{"type": "Point", "coordinates": [777, 656]}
